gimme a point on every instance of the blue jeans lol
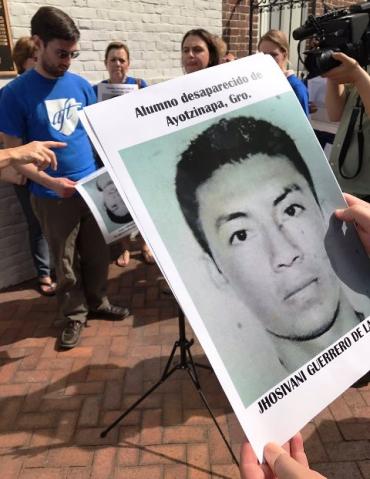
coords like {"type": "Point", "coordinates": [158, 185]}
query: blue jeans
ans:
{"type": "Point", "coordinates": [38, 244]}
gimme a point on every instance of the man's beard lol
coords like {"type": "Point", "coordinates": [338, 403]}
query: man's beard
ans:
{"type": "Point", "coordinates": [52, 70]}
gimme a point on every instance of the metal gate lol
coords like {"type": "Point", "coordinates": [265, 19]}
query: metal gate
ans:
{"type": "Point", "coordinates": [285, 15]}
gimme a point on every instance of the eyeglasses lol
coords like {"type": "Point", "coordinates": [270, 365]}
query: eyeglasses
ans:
{"type": "Point", "coordinates": [62, 54]}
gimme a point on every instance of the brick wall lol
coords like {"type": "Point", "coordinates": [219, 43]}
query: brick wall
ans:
{"type": "Point", "coordinates": [236, 22]}
{"type": "Point", "coordinates": [15, 259]}
{"type": "Point", "coordinates": [235, 25]}
{"type": "Point", "coordinates": [152, 29]}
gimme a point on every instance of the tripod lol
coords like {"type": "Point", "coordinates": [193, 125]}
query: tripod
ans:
{"type": "Point", "coordinates": [186, 363]}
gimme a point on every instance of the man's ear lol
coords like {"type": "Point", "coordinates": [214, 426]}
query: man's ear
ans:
{"type": "Point", "coordinates": [214, 272]}
{"type": "Point", "coordinates": [37, 40]}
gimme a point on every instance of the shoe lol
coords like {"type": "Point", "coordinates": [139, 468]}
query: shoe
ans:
{"type": "Point", "coordinates": [71, 334]}
{"type": "Point", "coordinates": [123, 259]}
{"type": "Point", "coordinates": [113, 312]}
{"type": "Point", "coordinates": [47, 287]}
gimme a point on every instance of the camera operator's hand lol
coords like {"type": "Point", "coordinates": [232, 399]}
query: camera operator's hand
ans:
{"type": "Point", "coordinates": [358, 212]}
{"type": "Point", "coordinates": [349, 71]}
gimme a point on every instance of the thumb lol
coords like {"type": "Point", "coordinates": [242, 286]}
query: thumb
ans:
{"type": "Point", "coordinates": [282, 465]}
{"type": "Point", "coordinates": [345, 214]}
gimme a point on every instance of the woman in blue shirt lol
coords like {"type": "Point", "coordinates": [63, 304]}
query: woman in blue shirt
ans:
{"type": "Point", "coordinates": [275, 43]}
{"type": "Point", "coordinates": [117, 63]}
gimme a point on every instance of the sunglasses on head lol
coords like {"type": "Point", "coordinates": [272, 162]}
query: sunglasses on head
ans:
{"type": "Point", "coordinates": [62, 54]}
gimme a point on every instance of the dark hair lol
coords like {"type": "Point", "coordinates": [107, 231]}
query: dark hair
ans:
{"type": "Point", "coordinates": [116, 46]}
{"type": "Point", "coordinates": [126, 218]}
{"type": "Point", "coordinates": [230, 141]}
{"type": "Point", "coordinates": [208, 38]}
{"type": "Point", "coordinates": [51, 23]}
{"type": "Point", "coordinates": [24, 49]}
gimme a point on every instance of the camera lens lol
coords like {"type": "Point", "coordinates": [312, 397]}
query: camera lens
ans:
{"type": "Point", "coordinates": [320, 61]}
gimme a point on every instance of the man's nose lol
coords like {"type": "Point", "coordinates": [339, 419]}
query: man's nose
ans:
{"type": "Point", "coordinates": [283, 248]}
{"type": "Point", "coordinates": [67, 61]}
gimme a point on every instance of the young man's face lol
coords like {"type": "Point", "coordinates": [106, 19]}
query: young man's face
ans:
{"type": "Point", "coordinates": [113, 201]}
{"type": "Point", "coordinates": [54, 58]}
{"type": "Point", "coordinates": [266, 234]}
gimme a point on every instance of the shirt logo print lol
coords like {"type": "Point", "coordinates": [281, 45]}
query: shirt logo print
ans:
{"type": "Point", "coordinates": [63, 114]}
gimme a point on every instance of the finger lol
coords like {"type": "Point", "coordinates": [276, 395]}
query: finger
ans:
{"type": "Point", "coordinates": [356, 213]}
{"type": "Point", "coordinates": [249, 466]}
{"type": "Point", "coordinates": [339, 56]}
{"type": "Point", "coordinates": [282, 464]}
{"type": "Point", "coordinates": [353, 200]}
{"type": "Point", "coordinates": [51, 158]}
{"type": "Point", "coordinates": [247, 455]}
{"type": "Point", "coordinates": [39, 160]}
{"type": "Point", "coordinates": [48, 157]}
{"type": "Point", "coordinates": [54, 144]}
{"type": "Point", "coordinates": [297, 450]}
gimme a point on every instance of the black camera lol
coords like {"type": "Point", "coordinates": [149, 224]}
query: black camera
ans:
{"type": "Point", "coordinates": [346, 30]}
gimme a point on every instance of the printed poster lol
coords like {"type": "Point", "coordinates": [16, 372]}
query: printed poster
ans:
{"type": "Point", "coordinates": [106, 91]}
{"type": "Point", "coordinates": [109, 210]}
{"type": "Point", "coordinates": [229, 186]}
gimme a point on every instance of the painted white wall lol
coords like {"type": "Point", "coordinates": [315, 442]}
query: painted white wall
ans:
{"type": "Point", "coordinates": [152, 29]}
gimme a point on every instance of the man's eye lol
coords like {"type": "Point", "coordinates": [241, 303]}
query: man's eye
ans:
{"type": "Point", "coordinates": [294, 210]}
{"type": "Point", "coordinates": [238, 237]}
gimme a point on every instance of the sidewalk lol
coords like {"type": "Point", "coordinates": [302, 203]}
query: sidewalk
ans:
{"type": "Point", "coordinates": [53, 405]}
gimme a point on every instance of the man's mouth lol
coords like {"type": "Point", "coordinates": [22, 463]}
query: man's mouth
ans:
{"type": "Point", "coordinates": [300, 288]}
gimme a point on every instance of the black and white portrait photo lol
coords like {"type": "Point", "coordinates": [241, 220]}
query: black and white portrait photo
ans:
{"type": "Point", "coordinates": [249, 199]}
{"type": "Point", "coordinates": [112, 202]}
{"type": "Point", "coordinates": [107, 205]}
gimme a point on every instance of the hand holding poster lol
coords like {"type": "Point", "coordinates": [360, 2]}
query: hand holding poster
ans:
{"type": "Point", "coordinates": [232, 190]}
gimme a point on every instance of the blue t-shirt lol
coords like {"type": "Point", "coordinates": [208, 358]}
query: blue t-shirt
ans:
{"type": "Point", "coordinates": [301, 92]}
{"type": "Point", "coordinates": [37, 108]}
{"type": "Point", "coordinates": [128, 81]}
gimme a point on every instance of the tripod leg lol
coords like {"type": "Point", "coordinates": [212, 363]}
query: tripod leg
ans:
{"type": "Point", "coordinates": [136, 403]}
{"type": "Point", "coordinates": [194, 377]}
{"type": "Point", "coordinates": [166, 374]}
{"type": "Point", "coordinates": [204, 366]}
{"type": "Point", "coordinates": [205, 402]}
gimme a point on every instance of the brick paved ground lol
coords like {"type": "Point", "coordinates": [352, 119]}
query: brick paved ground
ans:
{"type": "Point", "coordinates": [54, 404]}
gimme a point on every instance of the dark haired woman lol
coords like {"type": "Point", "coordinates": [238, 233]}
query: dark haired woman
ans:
{"type": "Point", "coordinates": [198, 50]}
